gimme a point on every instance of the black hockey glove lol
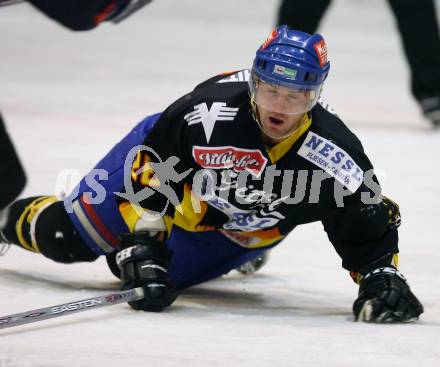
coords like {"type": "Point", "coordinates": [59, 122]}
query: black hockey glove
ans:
{"type": "Point", "coordinates": [385, 297]}
{"type": "Point", "coordinates": [143, 263]}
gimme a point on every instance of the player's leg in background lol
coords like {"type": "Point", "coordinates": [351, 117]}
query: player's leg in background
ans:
{"type": "Point", "coordinates": [418, 26]}
{"type": "Point", "coordinates": [83, 15]}
{"type": "Point", "coordinates": [78, 15]}
{"type": "Point", "coordinates": [302, 15]}
{"type": "Point", "coordinates": [12, 176]}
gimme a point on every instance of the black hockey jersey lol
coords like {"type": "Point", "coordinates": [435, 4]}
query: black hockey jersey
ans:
{"type": "Point", "coordinates": [210, 170]}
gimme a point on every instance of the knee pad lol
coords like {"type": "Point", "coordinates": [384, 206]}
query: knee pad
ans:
{"type": "Point", "coordinates": [58, 239]}
{"type": "Point", "coordinates": [42, 225]}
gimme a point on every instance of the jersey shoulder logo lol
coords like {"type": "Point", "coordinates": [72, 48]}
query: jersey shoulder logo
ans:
{"type": "Point", "coordinates": [327, 106]}
{"type": "Point", "coordinates": [240, 76]}
{"type": "Point", "coordinates": [334, 160]}
{"type": "Point", "coordinates": [208, 117]}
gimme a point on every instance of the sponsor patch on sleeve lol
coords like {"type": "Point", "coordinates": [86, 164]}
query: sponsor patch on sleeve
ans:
{"type": "Point", "coordinates": [332, 159]}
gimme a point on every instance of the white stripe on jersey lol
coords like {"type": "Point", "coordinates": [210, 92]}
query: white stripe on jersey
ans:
{"type": "Point", "coordinates": [241, 76]}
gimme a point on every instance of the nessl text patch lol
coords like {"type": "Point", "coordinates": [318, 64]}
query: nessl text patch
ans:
{"type": "Point", "coordinates": [332, 159]}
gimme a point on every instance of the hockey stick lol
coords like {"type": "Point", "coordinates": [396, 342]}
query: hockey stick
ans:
{"type": "Point", "coordinates": [71, 307]}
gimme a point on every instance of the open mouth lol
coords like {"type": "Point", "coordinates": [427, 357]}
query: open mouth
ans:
{"type": "Point", "coordinates": [275, 121]}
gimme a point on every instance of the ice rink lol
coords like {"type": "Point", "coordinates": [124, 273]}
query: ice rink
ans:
{"type": "Point", "coordinates": [68, 97]}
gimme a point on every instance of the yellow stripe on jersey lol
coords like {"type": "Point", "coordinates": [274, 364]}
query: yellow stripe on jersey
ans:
{"type": "Point", "coordinates": [142, 171]}
{"type": "Point", "coordinates": [131, 214]}
{"type": "Point", "coordinates": [191, 212]}
{"type": "Point", "coordinates": [254, 239]}
{"type": "Point", "coordinates": [395, 260]}
{"type": "Point", "coordinates": [279, 150]}
{"type": "Point", "coordinates": [358, 277]}
{"type": "Point", "coordinates": [188, 216]}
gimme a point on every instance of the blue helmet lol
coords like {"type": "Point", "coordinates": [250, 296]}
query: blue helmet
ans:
{"type": "Point", "coordinates": [291, 59]}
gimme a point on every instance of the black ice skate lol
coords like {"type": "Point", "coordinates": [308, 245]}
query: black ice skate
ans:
{"type": "Point", "coordinates": [431, 109]}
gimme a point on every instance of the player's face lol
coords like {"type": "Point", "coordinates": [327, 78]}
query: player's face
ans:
{"type": "Point", "coordinates": [275, 106]}
{"type": "Point", "coordinates": [287, 101]}
{"type": "Point", "coordinates": [277, 125]}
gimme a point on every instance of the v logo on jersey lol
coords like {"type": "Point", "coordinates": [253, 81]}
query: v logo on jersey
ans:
{"type": "Point", "coordinates": [218, 112]}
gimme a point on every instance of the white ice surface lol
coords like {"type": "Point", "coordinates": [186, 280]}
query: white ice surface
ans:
{"type": "Point", "coordinates": [68, 97]}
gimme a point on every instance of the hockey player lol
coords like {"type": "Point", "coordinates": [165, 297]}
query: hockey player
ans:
{"type": "Point", "coordinates": [220, 177]}
{"type": "Point", "coordinates": [82, 15]}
